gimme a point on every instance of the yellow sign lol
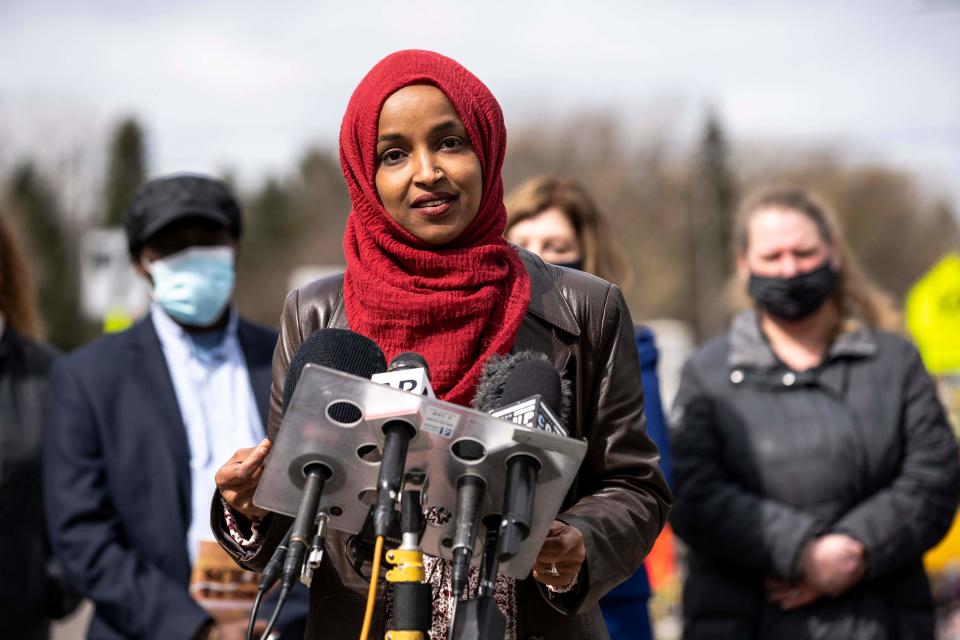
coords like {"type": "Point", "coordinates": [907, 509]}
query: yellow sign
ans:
{"type": "Point", "coordinates": [933, 319]}
{"type": "Point", "coordinates": [933, 316]}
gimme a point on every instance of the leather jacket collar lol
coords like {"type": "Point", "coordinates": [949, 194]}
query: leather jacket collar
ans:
{"type": "Point", "coordinates": [546, 301]}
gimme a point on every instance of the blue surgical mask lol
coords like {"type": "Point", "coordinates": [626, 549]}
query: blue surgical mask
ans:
{"type": "Point", "coordinates": [194, 285]}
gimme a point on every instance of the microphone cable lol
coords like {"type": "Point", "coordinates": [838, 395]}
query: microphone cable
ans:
{"type": "Point", "coordinates": [270, 574]}
{"type": "Point", "coordinates": [253, 614]}
{"type": "Point", "coordinates": [372, 592]}
{"type": "Point", "coordinates": [284, 592]}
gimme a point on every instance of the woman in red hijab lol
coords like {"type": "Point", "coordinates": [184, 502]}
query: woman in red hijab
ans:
{"type": "Point", "coordinates": [421, 147]}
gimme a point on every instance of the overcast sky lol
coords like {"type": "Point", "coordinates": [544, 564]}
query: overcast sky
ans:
{"type": "Point", "coordinates": [250, 85]}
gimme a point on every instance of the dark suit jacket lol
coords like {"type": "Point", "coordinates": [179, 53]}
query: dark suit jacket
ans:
{"type": "Point", "coordinates": [117, 480]}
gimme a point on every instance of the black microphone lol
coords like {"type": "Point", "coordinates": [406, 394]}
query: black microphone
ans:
{"type": "Point", "coordinates": [508, 384]}
{"type": "Point", "coordinates": [397, 436]}
{"type": "Point", "coordinates": [272, 571]}
{"type": "Point", "coordinates": [526, 389]}
{"type": "Point", "coordinates": [338, 349]}
{"type": "Point", "coordinates": [344, 351]}
{"type": "Point", "coordinates": [470, 490]}
{"type": "Point", "coordinates": [409, 360]}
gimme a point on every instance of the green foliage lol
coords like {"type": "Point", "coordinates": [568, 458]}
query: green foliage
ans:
{"type": "Point", "coordinates": [51, 255]}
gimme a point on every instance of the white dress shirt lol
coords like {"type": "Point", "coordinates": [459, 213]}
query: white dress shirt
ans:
{"type": "Point", "coordinates": [218, 408]}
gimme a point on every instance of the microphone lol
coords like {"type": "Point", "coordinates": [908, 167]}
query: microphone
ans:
{"type": "Point", "coordinates": [409, 372]}
{"type": "Point", "coordinates": [345, 351]}
{"type": "Point", "coordinates": [526, 389]}
{"type": "Point", "coordinates": [470, 490]}
{"type": "Point", "coordinates": [336, 349]}
{"type": "Point", "coordinates": [339, 349]}
{"type": "Point", "coordinates": [522, 387]}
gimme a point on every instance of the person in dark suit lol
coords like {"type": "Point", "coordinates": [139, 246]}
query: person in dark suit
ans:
{"type": "Point", "coordinates": [137, 419]}
{"type": "Point", "coordinates": [31, 589]}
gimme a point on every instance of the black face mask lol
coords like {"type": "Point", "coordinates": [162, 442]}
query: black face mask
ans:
{"type": "Point", "coordinates": [797, 297]}
{"type": "Point", "coordinates": [576, 264]}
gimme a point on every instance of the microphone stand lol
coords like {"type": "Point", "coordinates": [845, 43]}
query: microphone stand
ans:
{"type": "Point", "coordinates": [480, 618]}
{"type": "Point", "coordinates": [300, 538]}
{"type": "Point", "coordinates": [412, 597]}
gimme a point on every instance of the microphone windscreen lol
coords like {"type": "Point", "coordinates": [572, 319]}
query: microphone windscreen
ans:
{"type": "Point", "coordinates": [507, 379]}
{"type": "Point", "coordinates": [339, 349]}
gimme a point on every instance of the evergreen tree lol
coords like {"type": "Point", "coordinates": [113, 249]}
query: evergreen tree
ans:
{"type": "Point", "coordinates": [271, 214]}
{"type": "Point", "coordinates": [52, 258]}
{"type": "Point", "coordinates": [713, 198]}
{"type": "Point", "coordinates": [126, 171]}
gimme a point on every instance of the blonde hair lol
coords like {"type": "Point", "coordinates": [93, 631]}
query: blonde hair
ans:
{"type": "Point", "coordinates": [857, 299]}
{"type": "Point", "coordinates": [600, 253]}
{"type": "Point", "coordinates": [18, 300]}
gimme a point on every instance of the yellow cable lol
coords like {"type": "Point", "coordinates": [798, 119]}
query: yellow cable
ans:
{"type": "Point", "coordinates": [372, 592]}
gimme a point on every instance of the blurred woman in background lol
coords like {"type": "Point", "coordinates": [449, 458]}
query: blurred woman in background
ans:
{"type": "Point", "coordinates": [813, 463]}
{"type": "Point", "coordinates": [558, 220]}
{"type": "Point", "coordinates": [31, 592]}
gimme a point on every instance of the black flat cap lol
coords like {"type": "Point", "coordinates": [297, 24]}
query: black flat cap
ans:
{"type": "Point", "coordinates": [157, 203]}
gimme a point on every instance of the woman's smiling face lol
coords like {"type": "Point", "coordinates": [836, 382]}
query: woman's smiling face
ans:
{"type": "Point", "coordinates": [428, 177]}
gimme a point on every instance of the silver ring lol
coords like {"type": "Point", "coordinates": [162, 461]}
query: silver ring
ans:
{"type": "Point", "coordinates": [553, 570]}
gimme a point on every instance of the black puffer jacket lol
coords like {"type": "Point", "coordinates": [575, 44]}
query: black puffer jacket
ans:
{"type": "Point", "coordinates": [766, 458]}
{"type": "Point", "coordinates": [31, 591]}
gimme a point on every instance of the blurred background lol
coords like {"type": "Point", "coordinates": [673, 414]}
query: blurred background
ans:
{"type": "Point", "coordinates": [666, 112]}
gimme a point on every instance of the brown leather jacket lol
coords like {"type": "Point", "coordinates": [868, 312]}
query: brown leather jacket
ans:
{"type": "Point", "coordinates": [619, 501]}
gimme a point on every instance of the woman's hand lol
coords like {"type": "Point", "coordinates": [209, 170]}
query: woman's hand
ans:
{"type": "Point", "coordinates": [791, 596]}
{"type": "Point", "coordinates": [238, 479]}
{"type": "Point", "coordinates": [833, 563]}
{"type": "Point", "coordinates": [562, 550]}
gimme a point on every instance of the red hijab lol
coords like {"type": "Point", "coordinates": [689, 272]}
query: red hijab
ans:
{"type": "Point", "coordinates": [457, 304]}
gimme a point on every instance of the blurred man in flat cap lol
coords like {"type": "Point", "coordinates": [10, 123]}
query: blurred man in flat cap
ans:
{"type": "Point", "coordinates": [139, 421]}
